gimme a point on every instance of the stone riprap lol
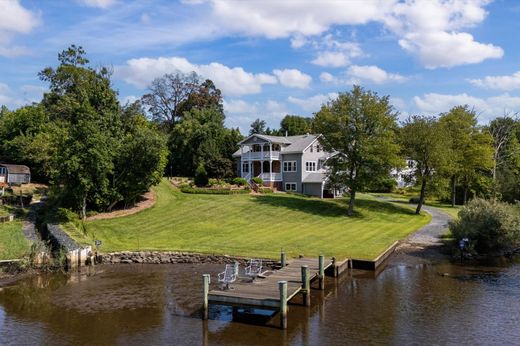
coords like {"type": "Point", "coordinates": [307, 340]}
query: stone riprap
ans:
{"type": "Point", "coordinates": [60, 239]}
{"type": "Point", "coordinates": [160, 257]}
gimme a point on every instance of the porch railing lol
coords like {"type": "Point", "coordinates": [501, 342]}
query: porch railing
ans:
{"type": "Point", "coordinates": [271, 176]}
{"type": "Point", "coordinates": [266, 155]}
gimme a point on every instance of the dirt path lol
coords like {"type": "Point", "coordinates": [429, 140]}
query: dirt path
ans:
{"type": "Point", "coordinates": [431, 233]}
{"type": "Point", "coordinates": [148, 201]}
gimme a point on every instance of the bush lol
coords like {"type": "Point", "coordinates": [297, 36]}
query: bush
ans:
{"type": "Point", "coordinates": [239, 181]}
{"type": "Point", "coordinates": [257, 180]}
{"type": "Point", "coordinates": [265, 190]}
{"type": "Point", "coordinates": [490, 227]}
{"type": "Point", "coordinates": [195, 190]}
{"type": "Point", "coordinates": [201, 176]}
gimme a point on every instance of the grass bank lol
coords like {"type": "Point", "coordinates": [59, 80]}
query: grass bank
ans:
{"type": "Point", "coordinates": [256, 225]}
{"type": "Point", "coordinates": [13, 244]}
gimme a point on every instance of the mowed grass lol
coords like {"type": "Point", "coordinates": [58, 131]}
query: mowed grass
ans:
{"type": "Point", "coordinates": [258, 225]}
{"type": "Point", "coordinates": [13, 244]}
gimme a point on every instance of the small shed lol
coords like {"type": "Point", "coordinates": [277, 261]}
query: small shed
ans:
{"type": "Point", "coordinates": [14, 174]}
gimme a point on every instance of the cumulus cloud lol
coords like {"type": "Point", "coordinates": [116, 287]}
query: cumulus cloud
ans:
{"type": "Point", "coordinates": [313, 103]}
{"type": "Point", "coordinates": [331, 59]}
{"type": "Point", "coordinates": [15, 19]}
{"type": "Point", "coordinates": [372, 74]}
{"type": "Point", "coordinates": [506, 83]}
{"type": "Point", "coordinates": [432, 30]}
{"type": "Point", "coordinates": [357, 74]}
{"type": "Point", "coordinates": [99, 3]}
{"type": "Point", "coordinates": [293, 78]}
{"type": "Point", "coordinates": [489, 108]}
{"type": "Point", "coordinates": [232, 81]}
{"type": "Point", "coordinates": [240, 113]}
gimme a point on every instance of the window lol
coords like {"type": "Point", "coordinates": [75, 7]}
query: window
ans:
{"type": "Point", "coordinates": [318, 149]}
{"type": "Point", "coordinates": [311, 148]}
{"type": "Point", "coordinates": [245, 167]}
{"type": "Point", "coordinates": [290, 186]}
{"type": "Point", "coordinates": [289, 166]}
{"type": "Point", "coordinates": [310, 166]}
{"type": "Point", "coordinates": [2, 170]}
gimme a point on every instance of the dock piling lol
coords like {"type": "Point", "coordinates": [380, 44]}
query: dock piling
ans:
{"type": "Point", "coordinates": [283, 259]}
{"type": "Point", "coordinates": [205, 278]}
{"type": "Point", "coordinates": [306, 285]}
{"type": "Point", "coordinates": [282, 287]}
{"type": "Point", "coordinates": [321, 277]}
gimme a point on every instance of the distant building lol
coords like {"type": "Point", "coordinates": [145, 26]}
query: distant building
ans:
{"type": "Point", "coordinates": [404, 176]}
{"type": "Point", "coordinates": [287, 163]}
{"type": "Point", "coordinates": [14, 174]}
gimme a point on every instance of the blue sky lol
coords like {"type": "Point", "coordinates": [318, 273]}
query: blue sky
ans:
{"type": "Point", "coordinates": [272, 58]}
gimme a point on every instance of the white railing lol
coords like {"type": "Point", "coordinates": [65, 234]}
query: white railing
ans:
{"type": "Point", "coordinates": [246, 176]}
{"type": "Point", "coordinates": [266, 155]}
{"type": "Point", "coordinates": [271, 176]}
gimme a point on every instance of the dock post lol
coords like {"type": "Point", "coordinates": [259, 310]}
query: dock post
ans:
{"type": "Point", "coordinates": [205, 278]}
{"type": "Point", "coordinates": [283, 259]}
{"type": "Point", "coordinates": [282, 287]}
{"type": "Point", "coordinates": [321, 278]}
{"type": "Point", "coordinates": [334, 267]}
{"type": "Point", "coordinates": [306, 285]}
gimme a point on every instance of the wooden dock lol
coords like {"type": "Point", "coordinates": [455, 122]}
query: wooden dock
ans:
{"type": "Point", "coordinates": [273, 291]}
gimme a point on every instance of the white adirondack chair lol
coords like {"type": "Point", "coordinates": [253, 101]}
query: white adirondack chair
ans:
{"type": "Point", "coordinates": [254, 268]}
{"type": "Point", "coordinates": [229, 275]}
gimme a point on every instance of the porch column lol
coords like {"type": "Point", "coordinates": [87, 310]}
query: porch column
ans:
{"type": "Point", "coordinates": [241, 162]}
{"type": "Point", "coordinates": [262, 164]}
{"type": "Point", "coordinates": [270, 161]}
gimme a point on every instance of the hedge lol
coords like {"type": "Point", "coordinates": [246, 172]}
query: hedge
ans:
{"type": "Point", "coordinates": [196, 190]}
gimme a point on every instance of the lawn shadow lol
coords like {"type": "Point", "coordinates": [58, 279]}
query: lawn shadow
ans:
{"type": "Point", "coordinates": [329, 207]}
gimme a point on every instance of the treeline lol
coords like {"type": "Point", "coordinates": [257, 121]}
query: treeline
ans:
{"type": "Point", "coordinates": [97, 154]}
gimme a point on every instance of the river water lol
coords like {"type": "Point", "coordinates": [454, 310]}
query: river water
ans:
{"type": "Point", "coordinates": [413, 301]}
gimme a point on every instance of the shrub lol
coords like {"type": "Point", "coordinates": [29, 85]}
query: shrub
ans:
{"type": "Point", "coordinates": [257, 180]}
{"type": "Point", "coordinates": [201, 176]}
{"type": "Point", "coordinates": [195, 190]}
{"type": "Point", "coordinates": [265, 190]}
{"type": "Point", "coordinates": [490, 227]}
{"type": "Point", "coordinates": [239, 181]}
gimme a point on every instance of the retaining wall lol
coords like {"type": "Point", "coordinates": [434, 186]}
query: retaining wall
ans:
{"type": "Point", "coordinates": [157, 257]}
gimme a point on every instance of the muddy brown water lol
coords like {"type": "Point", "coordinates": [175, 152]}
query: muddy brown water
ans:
{"type": "Point", "coordinates": [413, 301]}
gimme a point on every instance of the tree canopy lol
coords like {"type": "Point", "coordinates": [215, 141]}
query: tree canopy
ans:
{"type": "Point", "coordinates": [359, 127]}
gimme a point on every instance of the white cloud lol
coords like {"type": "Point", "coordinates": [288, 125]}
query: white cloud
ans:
{"type": "Point", "coordinates": [433, 30]}
{"type": "Point", "coordinates": [232, 81]}
{"type": "Point", "coordinates": [489, 108]}
{"type": "Point", "coordinates": [293, 78]}
{"type": "Point", "coordinates": [507, 83]}
{"type": "Point", "coordinates": [313, 103]}
{"type": "Point", "coordinates": [331, 59]}
{"type": "Point", "coordinates": [99, 3]}
{"type": "Point", "coordinates": [128, 99]}
{"type": "Point", "coordinates": [372, 74]}
{"type": "Point", "coordinates": [5, 99]}
{"type": "Point", "coordinates": [14, 19]}
{"type": "Point", "coordinates": [327, 77]}
{"type": "Point", "coordinates": [240, 113]}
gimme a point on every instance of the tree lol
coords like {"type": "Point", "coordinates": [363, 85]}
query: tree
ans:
{"type": "Point", "coordinates": [205, 95]}
{"type": "Point", "coordinates": [424, 141]}
{"type": "Point", "coordinates": [103, 154]}
{"type": "Point", "coordinates": [506, 157]}
{"type": "Point", "coordinates": [360, 127]}
{"type": "Point", "coordinates": [258, 127]}
{"type": "Point", "coordinates": [471, 150]}
{"type": "Point", "coordinates": [293, 125]}
{"type": "Point", "coordinates": [168, 96]}
{"type": "Point", "coordinates": [200, 137]}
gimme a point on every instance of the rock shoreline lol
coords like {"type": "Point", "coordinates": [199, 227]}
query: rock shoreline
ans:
{"type": "Point", "coordinates": [166, 257]}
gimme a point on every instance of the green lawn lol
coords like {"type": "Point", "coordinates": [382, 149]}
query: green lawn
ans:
{"type": "Point", "coordinates": [445, 207]}
{"type": "Point", "coordinates": [257, 226]}
{"type": "Point", "coordinates": [13, 244]}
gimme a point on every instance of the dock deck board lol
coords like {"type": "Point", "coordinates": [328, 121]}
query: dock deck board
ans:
{"type": "Point", "coordinates": [264, 292]}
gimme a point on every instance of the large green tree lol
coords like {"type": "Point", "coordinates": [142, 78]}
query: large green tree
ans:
{"type": "Point", "coordinates": [293, 125]}
{"type": "Point", "coordinates": [102, 157]}
{"type": "Point", "coordinates": [426, 143]}
{"type": "Point", "coordinates": [359, 127]}
{"type": "Point", "coordinates": [201, 138]}
{"type": "Point", "coordinates": [471, 156]}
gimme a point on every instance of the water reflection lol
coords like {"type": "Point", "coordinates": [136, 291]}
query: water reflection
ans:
{"type": "Point", "coordinates": [410, 302]}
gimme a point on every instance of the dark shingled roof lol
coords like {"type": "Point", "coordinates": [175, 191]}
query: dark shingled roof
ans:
{"type": "Point", "coordinates": [16, 169]}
